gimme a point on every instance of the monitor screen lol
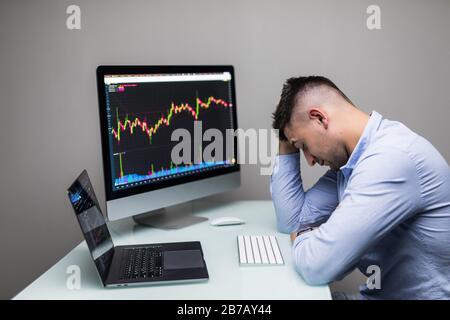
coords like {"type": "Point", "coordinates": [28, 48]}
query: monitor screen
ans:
{"type": "Point", "coordinates": [143, 108]}
{"type": "Point", "coordinates": [92, 222]}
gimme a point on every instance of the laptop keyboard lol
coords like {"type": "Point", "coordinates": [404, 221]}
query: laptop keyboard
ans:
{"type": "Point", "coordinates": [141, 263]}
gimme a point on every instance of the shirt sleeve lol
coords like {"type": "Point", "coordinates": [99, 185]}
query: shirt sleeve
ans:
{"type": "Point", "coordinates": [382, 192]}
{"type": "Point", "coordinates": [293, 206]}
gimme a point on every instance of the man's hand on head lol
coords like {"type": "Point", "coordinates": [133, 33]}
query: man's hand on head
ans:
{"type": "Point", "coordinates": [286, 147]}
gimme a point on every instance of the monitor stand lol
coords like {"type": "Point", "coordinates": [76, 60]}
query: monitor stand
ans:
{"type": "Point", "coordinates": [173, 217]}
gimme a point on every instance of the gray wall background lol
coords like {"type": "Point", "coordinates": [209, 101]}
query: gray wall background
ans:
{"type": "Point", "coordinates": [49, 127]}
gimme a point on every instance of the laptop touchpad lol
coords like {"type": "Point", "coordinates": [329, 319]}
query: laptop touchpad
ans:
{"type": "Point", "coordinates": [183, 259]}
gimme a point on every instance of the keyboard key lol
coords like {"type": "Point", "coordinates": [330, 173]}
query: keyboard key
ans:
{"type": "Point", "coordinates": [276, 250]}
{"type": "Point", "coordinates": [269, 250]}
{"type": "Point", "coordinates": [262, 247]}
{"type": "Point", "coordinates": [255, 249]}
{"type": "Point", "coordinates": [241, 246]}
{"type": "Point", "coordinates": [248, 249]}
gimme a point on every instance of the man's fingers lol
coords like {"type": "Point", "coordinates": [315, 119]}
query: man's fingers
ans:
{"type": "Point", "coordinates": [293, 236]}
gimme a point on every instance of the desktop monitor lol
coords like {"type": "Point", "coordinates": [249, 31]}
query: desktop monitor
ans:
{"type": "Point", "coordinates": [143, 109]}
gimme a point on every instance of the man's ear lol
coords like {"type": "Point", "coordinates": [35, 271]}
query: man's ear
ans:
{"type": "Point", "coordinates": [320, 116]}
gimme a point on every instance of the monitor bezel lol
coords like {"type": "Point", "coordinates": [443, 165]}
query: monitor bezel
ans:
{"type": "Point", "coordinates": [162, 69]}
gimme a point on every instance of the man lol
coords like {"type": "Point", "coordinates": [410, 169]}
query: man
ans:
{"type": "Point", "coordinates": [385, 202]}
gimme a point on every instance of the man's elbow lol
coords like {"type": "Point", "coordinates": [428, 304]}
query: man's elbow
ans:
{"type": "Point", "coordinates": [314, 271]}
{"type": "Point", "coordinates": [287, 222]}
{"type": "Point", "coordinates": [284, 228]}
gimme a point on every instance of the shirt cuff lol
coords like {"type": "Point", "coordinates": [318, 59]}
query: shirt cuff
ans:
{"type": "Point", "coordinates": [289, 162]}
{"type": "Point", "coordinates": [302, 237]}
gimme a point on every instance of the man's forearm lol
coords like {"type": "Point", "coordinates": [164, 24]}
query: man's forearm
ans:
{"type": "Point", "coordinates": [293, 205]}
{"type": "Point", "coordinates": [287, 192]}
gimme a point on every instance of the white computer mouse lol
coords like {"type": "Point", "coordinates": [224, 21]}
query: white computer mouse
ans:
{"type": "Point", "coordinates": [226, 221]}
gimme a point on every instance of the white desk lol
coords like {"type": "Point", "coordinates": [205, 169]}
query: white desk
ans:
{"type": "Point", "coordinates": [227, 280]}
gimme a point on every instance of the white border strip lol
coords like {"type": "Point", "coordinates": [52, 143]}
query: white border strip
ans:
{"type": "Point", "coordinates": [113, 79]}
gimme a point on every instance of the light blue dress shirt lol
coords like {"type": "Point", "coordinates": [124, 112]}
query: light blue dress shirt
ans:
{"type": "Point", "coordinates": [388, 207]}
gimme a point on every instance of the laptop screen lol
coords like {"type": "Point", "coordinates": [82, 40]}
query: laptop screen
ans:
{"type": "Point", "coordinates": [92, 222]}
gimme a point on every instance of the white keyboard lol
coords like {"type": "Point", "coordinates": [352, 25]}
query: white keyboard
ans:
{"type": "Point", "coordinates": [259, 251]}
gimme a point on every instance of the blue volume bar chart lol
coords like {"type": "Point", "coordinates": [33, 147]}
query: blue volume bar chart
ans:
{"type": "Point", "coordinates": [174, 170]}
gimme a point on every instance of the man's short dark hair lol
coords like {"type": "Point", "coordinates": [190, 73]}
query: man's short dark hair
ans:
{"type": "Point", "coordinates": [291, 88]}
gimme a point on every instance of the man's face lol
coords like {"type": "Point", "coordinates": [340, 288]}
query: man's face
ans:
{"type": "Point", "coordinates": [319, 144]}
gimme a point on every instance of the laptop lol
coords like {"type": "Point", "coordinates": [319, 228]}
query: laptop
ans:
{"type": "Point", "coordinates": [128, 265]}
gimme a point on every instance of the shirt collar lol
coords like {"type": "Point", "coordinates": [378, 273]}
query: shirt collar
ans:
{"type": "Point", "coordinates": [370, 129]}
